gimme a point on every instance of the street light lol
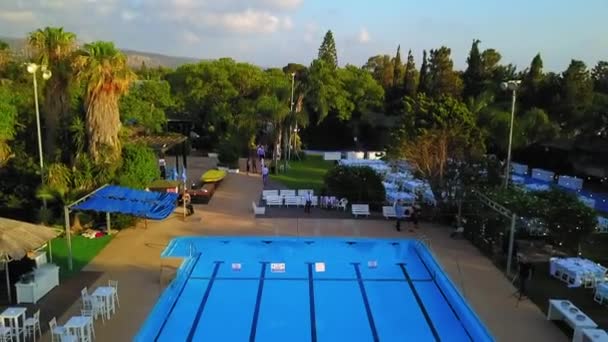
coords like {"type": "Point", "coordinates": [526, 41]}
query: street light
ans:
{"type": "Point", "coordinates": [512, 85]}
{"type": "Point", "coordinates": [33, 68]}
{"type": "Point", "coordinates": [293, 80]}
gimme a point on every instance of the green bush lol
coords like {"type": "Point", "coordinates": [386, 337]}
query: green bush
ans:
{"type": "Point", "coordinates": [228, 152]}
{"type": "Point", "coordinates": [139, 166]}
{"type": "Point", "coordinates": [357, 184]}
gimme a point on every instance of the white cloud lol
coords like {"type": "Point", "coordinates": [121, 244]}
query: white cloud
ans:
{"type": "Point", "coordinates": [287, 23]}
{"type": "Point", "coordinates": [190, 37]}
{"type": "Point", "coordinates": [282, 4]}
{"type": "Point", "coordinates": [311, 31]}
{"type": "Point", "coordinates": [127, 15]}
{"type": "Point", "coordinates": [364, 36]}
{"type": "Point", "coordinates": [249, 21]}
{"type": "Point", "coordinates": [18, 16]}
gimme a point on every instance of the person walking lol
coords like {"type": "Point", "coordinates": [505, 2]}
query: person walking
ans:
{"type": "Point", "coordinates": [264, 174]}
{"type": "Point", "coordinates": [399, 211]}
{"type": "Point", "coordinates": [162, 164]}
{"type": "Point", "coordinates": [415, 212]}
{"type": "Point", "coordinates": [248, 166]}
{"type": "Point", "coordinates": [308, 202]}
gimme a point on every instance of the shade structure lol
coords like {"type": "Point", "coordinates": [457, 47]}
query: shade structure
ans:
{"type": "Point", "coordinates": [17, 238]}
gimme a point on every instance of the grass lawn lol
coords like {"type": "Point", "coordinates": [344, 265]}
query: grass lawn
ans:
{"type": "Point", "coordinates": [83, 251]}
{"type": "Point", "coordinates": [305, 174]}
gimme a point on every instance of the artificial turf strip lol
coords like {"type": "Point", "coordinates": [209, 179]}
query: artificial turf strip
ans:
{"type": "Point", "coordinates": [83, 251]}
{"type": "Point", "coordinates": [305, 174]}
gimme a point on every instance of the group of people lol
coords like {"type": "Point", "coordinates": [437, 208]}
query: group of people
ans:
{"type": "Point", "coordinates": [252, 165]}
{"type": "Point", "coordinates": [401, 212]}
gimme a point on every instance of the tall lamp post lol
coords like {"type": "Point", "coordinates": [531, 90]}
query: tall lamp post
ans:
{"type": "Point", "coordinates": [33, 68]}
{"type": "Point", "coordinates": [512, 85]}
{"type": "Point", "coordinates": [293, 80]}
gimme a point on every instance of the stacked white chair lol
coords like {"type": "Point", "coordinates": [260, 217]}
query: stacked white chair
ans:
{"type": "Point", "coordinates": [32, 325]}
{"type": "Point", "coordinates": [6, 333]}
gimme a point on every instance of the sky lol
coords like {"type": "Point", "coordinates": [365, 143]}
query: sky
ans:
{"type": "Point", "coordinates": [276, 32]}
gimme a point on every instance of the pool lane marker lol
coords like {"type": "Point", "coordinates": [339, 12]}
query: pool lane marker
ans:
{"type": "Point", "coordinates": [444, 296]}
{"type": "Point", "coordinates": [258, 301]}
{"type": "Point", "coordinates": [368, 310]}
{"type": "Point", "coordinates": [162, 327]}
{"type": "Point", "coordinates": [201, 306]}
{"type": "Point", "coordinates": [311, 297]}
{"type": "Point", "coordinates": [419, 301]}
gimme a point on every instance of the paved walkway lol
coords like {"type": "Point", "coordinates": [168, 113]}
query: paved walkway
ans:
{"type": "Point", "coordinates": [133, 258]}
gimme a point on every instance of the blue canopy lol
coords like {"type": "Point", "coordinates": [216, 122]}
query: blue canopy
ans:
{"type": "Point", "coordinates": [118, 199]}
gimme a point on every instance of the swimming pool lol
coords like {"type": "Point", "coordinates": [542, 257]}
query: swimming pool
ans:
{"type": "Point", "coordinates": [309, 289]}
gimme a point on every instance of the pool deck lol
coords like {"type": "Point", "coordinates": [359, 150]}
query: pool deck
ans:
{"type": "Point", "coordinates": [133, 258]}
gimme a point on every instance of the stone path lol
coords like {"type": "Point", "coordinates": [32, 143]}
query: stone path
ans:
{"type": "Point", "coordinates": [133, 258]}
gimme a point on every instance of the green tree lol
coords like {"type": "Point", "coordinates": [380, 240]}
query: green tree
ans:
{"type": "Point", "coordinates": [576, 96]}
{"type": "Point", "coordinates": [138, 168]}
{"type": "Point", "coordinates": [327, 50]}
{"type": "Point", "coordinates": [398, 69]}
{"type": "Point", "coordinates": [382, 69]}
{"type": "Point", "coordinates": [532, 83]}
{"type": "Point", "coordinates": [104, 71]}
{"type": "Point", "coordinates": [8, 119]}
{"type": "Point", "coordinates": [473, 76]}
{"type": "Point", "coordinates": [146, 105]}
{"type": "Point", "coordinates": [54, 47]}
{"type": "Point", "coordinates": [443, 80]}
{"type": "Point", "coordinates": [364, 94]}
{"type": "Point", "coordinates": [410, 83]}
{"type": "Point", "coordinates": [423, 80]}
{"type": "Point", "coordinates": [326, 93]}
{"type": "Point", "coordinates": [600, 77]}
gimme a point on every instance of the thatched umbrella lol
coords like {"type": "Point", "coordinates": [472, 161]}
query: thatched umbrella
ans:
{"type": "Point", "coordinates": [17, 238]}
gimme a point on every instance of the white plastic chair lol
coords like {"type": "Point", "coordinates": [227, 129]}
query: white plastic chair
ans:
{"type": "Point", "coordinates": [32, 324]}
{"type": "Point", "coordinates": [57, 331]}
{"type": "Point", "coordinates": [114, 285]}
{"type": "Point", "coordinates": [96, 307]}
{"type": "Point", "coordinates": [598, 297]}
{"type": "Point", "coordinates": [89, 313]}
{"type": "Point", "coordinates": [6, 333]}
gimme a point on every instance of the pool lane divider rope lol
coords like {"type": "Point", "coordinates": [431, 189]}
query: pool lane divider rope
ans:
{"type": "Point", "coordinates": [368, 309]}
{"type": "Point", "coordinates": [315, 279]}
{"type": "Point", "coordinates": [419, 301]}
{"type": "Point", "coordinates": [201, 306]}
{"type": "Point", "coordinates": [258, 301]}
{"type": "Point", "coordinates": [311, 296]}
{"type": "Point", "coordinates": [181, 290]}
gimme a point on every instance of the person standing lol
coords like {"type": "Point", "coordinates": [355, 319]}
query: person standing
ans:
{"type": "Point", "coordinates": [308, 202]}
{"type": "Point", "coordinates": [188, 203]}
{"type": "Point", "coordinates": [248, 166]}
{"type": "Point", "coordinates": [162, 164]}
{"type": "Point", "coordinates": [415, 212]}
{"type": "Point", "coordinates": [399, 211]}
{"type": "Point", "coordinates": [264, 174]}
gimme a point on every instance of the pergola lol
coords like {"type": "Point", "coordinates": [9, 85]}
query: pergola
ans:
{"type": "Point", "coordinates": [163, 143]}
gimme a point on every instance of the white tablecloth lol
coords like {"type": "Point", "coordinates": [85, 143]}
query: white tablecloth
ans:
{"type": "Point", "coordinates": [576, 269]}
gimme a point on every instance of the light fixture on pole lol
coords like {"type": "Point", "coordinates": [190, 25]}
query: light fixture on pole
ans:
{"type": "Point", "coordinates": [33, 68]}
{"type": "Point", "coordinates": [512, 85]}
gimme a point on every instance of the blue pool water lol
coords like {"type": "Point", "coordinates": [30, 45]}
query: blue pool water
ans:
{"type": "Point", "coordinates": [309, 289]}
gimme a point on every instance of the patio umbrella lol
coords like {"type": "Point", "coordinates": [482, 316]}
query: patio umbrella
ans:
{"type": "Point", "coordinates": [17, 238]}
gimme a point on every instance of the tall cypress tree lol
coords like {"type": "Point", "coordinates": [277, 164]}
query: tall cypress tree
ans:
{"type": "Point", "coordinates": [473, 75]}
{"type": "Point", "coordinates": [423, 83]}
{"type": "Point", "coordinates": [442, 79]}
{"type": "Point", "coordinates": [327, 51]}
{"type": "Point", "coordinates": [531, 87]}
{"type": "Point", "coordinates": [410, 82]}
{"type": "Point", "coordinates": [398, 68]}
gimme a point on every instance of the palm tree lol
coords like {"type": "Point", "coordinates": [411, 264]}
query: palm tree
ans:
{"type": "Point", "coordinates": [54, 47]}
{"type": "Point", "coordinates": [104, 71]}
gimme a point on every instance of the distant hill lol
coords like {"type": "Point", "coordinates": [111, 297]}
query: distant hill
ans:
{"type": "Point", "coordinates": [134, 58]}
